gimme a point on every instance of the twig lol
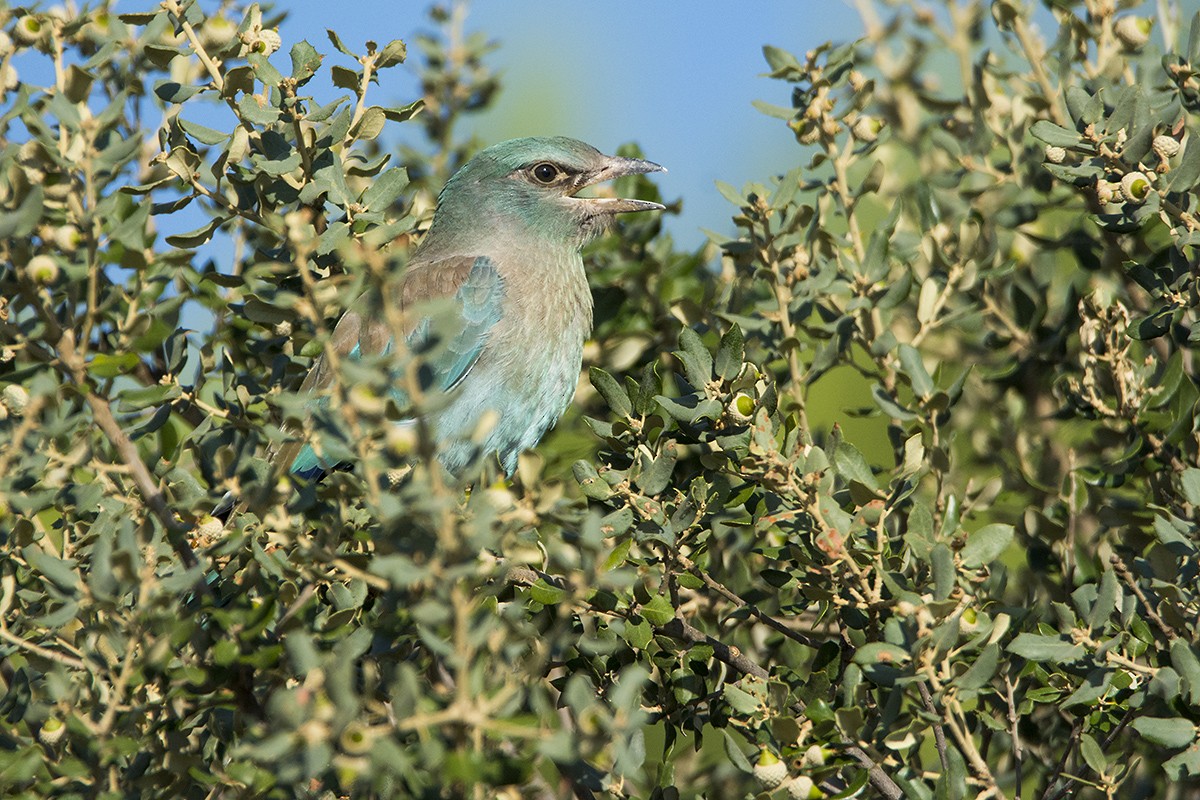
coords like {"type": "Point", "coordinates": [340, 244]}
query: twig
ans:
{"type": "Point", "coordinates": [1125, 575]}
{"type": "Point", "coordinates": [939, 734]}
{"type": "Point", "coordinates": [1062, 763]}
{"type": "Point", "coordinates": [176, 529]}
{"type": "Point", "coordinates": [52, 655]}
{"type": "Point", "coordinates": [738, 601]}
{"type": "Point", "coordinates": [1018, 751]}
{"type": "Point", "coordinates": [1036, 62]}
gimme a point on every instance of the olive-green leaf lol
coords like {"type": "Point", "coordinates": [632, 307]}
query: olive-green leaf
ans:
{"type": "Point", "coordinates": [1165, 731]}
{"type": "Point", "coordinates": [1051, 649]}
{"type": "Point", "coordinates": [986, 544]}
{"type": "Point", "coordinates": [393, 53]}
{"type": "Point", "coordinates": [728, 362]}
{"type": "Point", "coordinates": [612, 392]}
{"type": "Point", "coordinates": [1055, 135]}
{"type": "Point", "coordinates": [201, 133]}
{"type": "Point", "coordinates": [385, 189]}
{"type": "Point", "coordinates": [658, 611]}
{"type": "Point", "coordinates": [305, 61]}
{"type": "Point", "coordinates": [60, 572]}
{"type": "Point", "coordinates": [110, 365]}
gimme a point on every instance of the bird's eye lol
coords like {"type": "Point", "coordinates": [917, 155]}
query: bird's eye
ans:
{"type": "Point", "coordinates": [545, 173]}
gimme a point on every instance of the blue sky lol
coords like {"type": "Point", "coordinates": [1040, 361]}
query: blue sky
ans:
{"type": "Point", "coordinates": [678, 78]}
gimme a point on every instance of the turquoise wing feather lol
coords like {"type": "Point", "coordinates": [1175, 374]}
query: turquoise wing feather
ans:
{"type": "Point", "coordinates": [463, 301]}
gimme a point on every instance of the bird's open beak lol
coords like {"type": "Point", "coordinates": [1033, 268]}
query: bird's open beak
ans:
{"type": "Point", "coordinates": [618, 167]}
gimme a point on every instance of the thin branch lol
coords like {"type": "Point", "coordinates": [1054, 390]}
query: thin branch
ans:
{"type": "Point", "coordinates": [52, 655]}
{"type": "Point", "coordinates": [1018, 751]}
{"type": "Point", "coordinates": [738, 601]}
{"type": "Point", "coordinates": [176, 528]}
{"type": "Point", "coordinates": [1126, 576]}
{"type": "Point", "coordinates": [939, 733]}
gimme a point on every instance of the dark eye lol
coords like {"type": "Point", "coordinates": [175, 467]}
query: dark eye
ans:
{"type": "Point", "coordinates": [545, 173]}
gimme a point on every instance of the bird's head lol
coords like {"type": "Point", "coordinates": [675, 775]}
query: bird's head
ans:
{"type": "Point", "coordinates": [530, 188]}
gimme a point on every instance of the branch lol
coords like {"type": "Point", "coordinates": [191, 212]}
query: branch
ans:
{"type": "Point", "coordinates": [176, 529]}
{"type": "Point", "coordinates": [939, 734]}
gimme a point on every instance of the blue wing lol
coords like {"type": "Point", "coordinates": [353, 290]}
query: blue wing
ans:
{"type": "Point", "coordinates": [452, 306]}
{"type": "Point", "coordinates": [475, 310]}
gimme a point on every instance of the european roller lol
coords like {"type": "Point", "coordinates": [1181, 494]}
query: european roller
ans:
{"type": "Point", "coordinates": [501, 269]}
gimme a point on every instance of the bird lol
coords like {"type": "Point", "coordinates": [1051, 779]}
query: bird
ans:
{"type": "Point", "coordinates": [500, 273]}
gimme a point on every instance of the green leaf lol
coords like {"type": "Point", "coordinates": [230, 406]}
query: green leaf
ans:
{"type": "Point", "coordinates": [638, 635]}
{"type": "Point", "coordinates": [942, 562]}
{"type": "Point", "coordinates": [739, 700]}
{"type": "Point", "coordinates": [264, 70]}
{"type": "Point", "coordinates": [346, 78]}
{"type": "Point", "coordinates": [658, 611]}
{"type": "Point", "coordinates": [613, 393]}
{"type": "Point", "coordinates": [139, 17]}
{"type": "Point", "coordinates": [337, 42]}
{"type": "Point", "coordinates": [393, 53]}
{"type": "Point", "coordinates": [733, 751]}
{"type": "Point", "coordinates": [22, 220]}
{"type": "Point", "coordinates": [657, 475]}
{"type": "Point", "coordinates": [1055, 135]}
{"type": "Point", "coordinates": [1185, 662]}
{"type": "Point", "coordinates": [981, 670]}
{"type": "Point", "coordinates": [1183, 176]}
{"type": "Point", "coordinates": [617, 522]}
{"type": "Point", "coordinates": [78, 85]}
{"type": "Point", "coordinates": [1166, 732]}
{"type": "Point", "coordinates": [881, 653]}
{"type": "Point", "coordinates": [912, 366]}
{"type": "Point", "coordinates": [1083, 106]}
{"type": "Point", "coordinates": [618, 555]}
{"type": "Point", "coordinates": [404, 113]}
{"type": "Point", "coordinates": [851, 465]}
{"type": "Point", "coordinates": [697, 361]}
{"type": "Point", "coordinates": [175, 92]}
{"type": "Point", "coordinates": [257, 109]}
{"type": "Point", "coordinates": [305, 61]}
{"type": "Point", "coordinates": [1183, 765]}
{"type": "Point", "coordinates": [546, 594]}
{"type": "Point", "coordinates": [109, 365]}
{"type": "Point", "coordinates": [986, 544]}
{"type": "Point", "coordinates": [590, 482]}
{"type": "Point", "coordinates": [1051, 649]}
{"type": "Point", "coordinates": [197, 237]}
{"type": "Point", "coordinates": [1089, 748]}
{"type": "Point", "coordinates": [1189, 482]}
{"type": "Point", "coordinates": [1106, 600]}
{"type": "Point", "coordinates": [730, 353]}
{"type": "Point", "coordinates": [385, 189]}
{"type": "Point", "coordinates": [370, 125]}
{"type": "Point", "coordinates": [201, 133]}
{"type": "Point", "coordinates": [62, 573]}
{"type": "Point", "coordinates": [780, 60]}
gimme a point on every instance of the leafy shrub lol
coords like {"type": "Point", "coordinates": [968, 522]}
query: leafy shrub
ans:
{"type": "Point", "coordinates": [981, 581]}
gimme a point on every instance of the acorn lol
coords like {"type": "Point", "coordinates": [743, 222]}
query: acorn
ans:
{"type": "Point", "coordinates": [1135, 186]}
{"type": "Point", "coordinates": [770, 772]}
{"type": "Point", "coordinates": [802, 788]}
{"type": "Point", "coordinates": [28, 30]}
{"type": "Point", "coordinates": [52, 731]}
{"type": "Point", "coordinates": [866, 129]}
{"type": "Point", "coordinates": [42, 269]}
{"type": "Point", "coordinates": [1133, 32]}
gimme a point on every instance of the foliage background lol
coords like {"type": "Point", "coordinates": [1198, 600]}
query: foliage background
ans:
{"type": "Point", "coordinates": [982, 243]}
